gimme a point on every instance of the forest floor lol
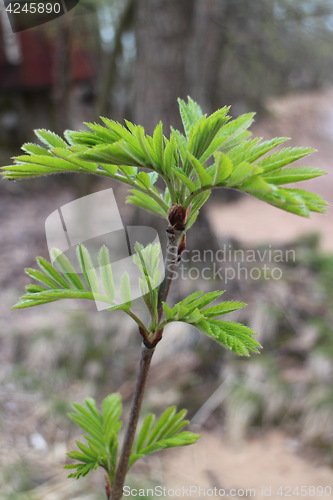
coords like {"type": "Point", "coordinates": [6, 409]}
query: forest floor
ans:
{"type": "Point", "coordinates": [271, 458]}
{"type": "Point", "coordinates": [265, 466]}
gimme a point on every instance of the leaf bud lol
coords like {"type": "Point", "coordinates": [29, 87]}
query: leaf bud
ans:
{"type": "Point", "coordinates": [177, 216]}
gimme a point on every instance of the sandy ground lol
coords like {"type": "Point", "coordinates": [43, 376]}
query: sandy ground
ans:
{"type": "Point", "coordinates": [308, 119]}
{"type": "Point", "coordinates": [265, 466]}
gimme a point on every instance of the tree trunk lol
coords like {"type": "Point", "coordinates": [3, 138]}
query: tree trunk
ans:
{"type": "Point", "coordinates": [166, 47]}
{"type": "Point", "coordinates": [109, 63]}
{"type": "Point", "coordinates": [62, 74]}
{"type": "Point", "coordinates": [207, 47]}
{"type": "Point", "coordinates": [163, 34]}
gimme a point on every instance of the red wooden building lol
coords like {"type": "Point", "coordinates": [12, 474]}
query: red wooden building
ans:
{"type": "Point", "coordinates": [28, 61]}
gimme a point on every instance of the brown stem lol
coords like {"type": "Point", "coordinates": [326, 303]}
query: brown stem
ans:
{"type": "Point", "coordinates": [117, 487]}
{"type": "Point", "coordinates": [148, 348]}
{"type": "Point", "coordinates": [171, 259]}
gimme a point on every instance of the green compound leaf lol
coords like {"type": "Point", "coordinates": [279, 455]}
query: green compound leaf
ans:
{"type": "Point", "coordinates": [102, 428]}
{"type": "Point", "coordinates": [65, 283]}
{"type": "Point", "coordinates": [166, 433]}
{"type": "Point", "coordinates": [121, 152]}
{"type": "Point", "coordinates": [235, 336]}
{"type": "Point", "coordinates": [193, 310]}
{"type": "Point", "coordinates": [198, 202]}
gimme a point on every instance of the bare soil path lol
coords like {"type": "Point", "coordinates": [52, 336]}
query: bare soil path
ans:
{"type": "Point", "coordinates": [308, 119]}
{"type": "Point", "coordinates": [265, 467]}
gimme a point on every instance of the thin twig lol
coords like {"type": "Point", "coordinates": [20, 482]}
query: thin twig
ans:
{"type": "Point", "coordinates": [117, 487]}
{"type": "Point", "coordinates": [171, 259]}
{"type": "Point", "coordinates": [148, 348]}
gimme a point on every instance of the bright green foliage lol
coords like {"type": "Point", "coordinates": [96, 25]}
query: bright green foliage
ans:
{"type": "Point", "coordinates": [102, 436]}
{"type": "Point", "coordinates": [147, 260]}
{"type": "Point", "coordinates": [106, 272]}
{"type": "Point", "coordinates": [65, 282]}
{"type": "Point", "coordinates": [193, 310]}
{"type": "Point", "coordinates": [214, 152]}
{"type": "Point", "coordinates": [102, 429]}
{"type": "Point", "coordinates": [165, 433]}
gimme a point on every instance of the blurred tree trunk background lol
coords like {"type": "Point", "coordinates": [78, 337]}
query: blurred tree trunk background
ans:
{"type": "Point", "coordinates": [62, 75]}
{"type": "Point", "coordinates": [209, 41]}
{"type": "Point", "coordinates": [134, 57]}
{"type": "Point", "coordinates": [179, 51]}
{"type": "Point", "coordinates": [171, 62]}
{"type": "Point", "coordinates": [163, 38]}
